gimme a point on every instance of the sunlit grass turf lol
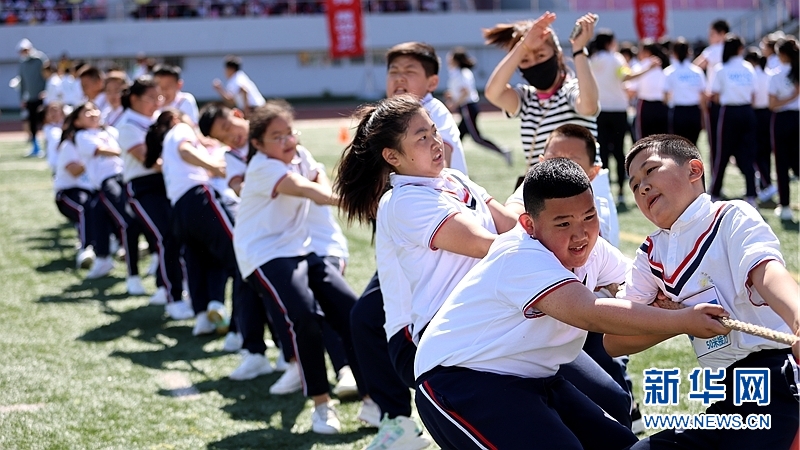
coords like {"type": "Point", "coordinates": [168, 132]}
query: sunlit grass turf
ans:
{"type": "Point", "coordinates": [85, 366]}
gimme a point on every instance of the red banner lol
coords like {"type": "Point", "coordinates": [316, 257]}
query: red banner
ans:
{"type": "Point", "coordinates": [345, 27]}
{"type": "Point", "coordinates": [649, 16]}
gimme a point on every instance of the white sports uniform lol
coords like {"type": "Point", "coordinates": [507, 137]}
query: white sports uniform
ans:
{"type": "Point", "coordinates": [448, 130]}
{"type": "Point", "coordinates": [133, 128]}
{"type": "Point", "coordinates": [490, 322]}
{"type": "Point", "coordinates": [409, 216]}
{"type": "Point", "coordinates": [98, 168]}
{"type": "Point", "coordinates": [272, 225]}
{"type": "Point", "coordinates": [239, 81]}
{"type": "Point", "coordinates": [52, 139]}
{"type": "Point", "coordinates": [66, 155]}
{"type": "Point", "coordinates": [185, 103]}
{"type": "Point", "coordinates": [712, 245]}
{"type": "Point", "coordinates": [180, 176]}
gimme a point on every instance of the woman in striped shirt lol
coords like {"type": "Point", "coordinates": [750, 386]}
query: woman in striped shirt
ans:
{"type": "Point", "coordinates": [552, 97]}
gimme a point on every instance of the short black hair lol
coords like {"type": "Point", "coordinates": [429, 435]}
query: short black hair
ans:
{"type": "Point", "coordinates": [166, 70]}
{"type": "Point", "coordinates": [553, 178]}
{"type": "Point", "coordinates": [208, 114]}
{"type": "Point", "coordinates": [675, 147]}
{"type": "Point", "coordinates": [88, 71]}
{"type": "Point", "coordinates": [422, 52]}
{"type": "Point", "coordinates": [721, 26]}
{"type": "Point", "coordinates": [571, 130]}
{"type": "Point", "coordinates": [233, 62]}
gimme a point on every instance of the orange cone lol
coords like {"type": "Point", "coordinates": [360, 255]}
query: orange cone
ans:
{"type": "Point", "coordinates": [344, 135]}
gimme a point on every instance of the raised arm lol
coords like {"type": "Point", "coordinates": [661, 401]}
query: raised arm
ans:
{"type": "Point", "coordinates": [498, 90]}
{"type": "Point", "coordinates": [588, 102]}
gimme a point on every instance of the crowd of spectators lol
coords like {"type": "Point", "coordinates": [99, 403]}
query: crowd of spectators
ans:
{"type": "Point", "coordinates": [48, 11]}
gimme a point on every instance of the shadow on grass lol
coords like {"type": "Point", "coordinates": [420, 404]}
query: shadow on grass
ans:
{"type": "Point", "coordinates": [788, 225]}
{"type": "Point", "coordinates": [273, 438]}
{"type": "Point", "coordinates": [54, 239]}
{"type": "Point", "coordinates": [87, 290]}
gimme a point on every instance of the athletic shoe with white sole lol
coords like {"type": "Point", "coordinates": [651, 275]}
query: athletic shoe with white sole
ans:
{"type": "Point", "coordinates": [179, 310]}
{"type": "Point", "coordinates": [289, 382]}
{"type": "Point", "coordinates": [85, 258]}
{"type": "Point", "coordinates": [100, 268]}
{"type": "Point", "coordinates": [785, 213]}
{"type": "Point", "coordinates": [153, 267]}
{"type": "Point", "coordinates": [134, 285]}
{"type": "Point", "coordinates": [370, 413]}
{"type": "Point", "coordinates": [766, 194]}
{"type": "Point", "coordinates": [218, 315]}
{"type": "Point", "coordinates": [325, 420]}
{"type": "Point", "coordinates": [280, 364]}
{"type": "Point", "coordinates": [202, 325]}
{"type": "Point", "coordinates": [253, 365]}
{"type": "Point", "coordinates": [346, 386]}
{"type": "Point", "coordinates": [233, 343]}
{"type": "Point", "coordinates": [398, 433]}
{"type": "Point", "coordinates": [160, 297]}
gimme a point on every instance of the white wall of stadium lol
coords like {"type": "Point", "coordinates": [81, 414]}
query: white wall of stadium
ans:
{"type": "Point", "coordinates": [286, 55]}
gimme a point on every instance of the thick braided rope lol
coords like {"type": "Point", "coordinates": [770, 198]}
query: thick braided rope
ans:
{"type": "Point", "coordinates": [738, 325]}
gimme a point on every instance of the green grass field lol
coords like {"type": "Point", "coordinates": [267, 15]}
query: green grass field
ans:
{"type": "Point", "coordinates": [85, 366]}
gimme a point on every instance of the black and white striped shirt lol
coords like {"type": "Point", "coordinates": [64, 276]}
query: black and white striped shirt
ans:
{"type": "Point", "coordinates": [540, 117]}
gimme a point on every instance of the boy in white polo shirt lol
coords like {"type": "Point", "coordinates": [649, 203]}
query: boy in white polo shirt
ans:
{"type": "Point", "coordinates": [486, 364]}
{"type": "Point", "coordinates": [720, 252]}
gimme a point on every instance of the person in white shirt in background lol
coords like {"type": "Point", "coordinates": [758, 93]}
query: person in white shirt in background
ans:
{"type": "Point", "coordinates": [785, 103]}
{"type": "Point", "coordinates": [734, 88]}
{"type": "Point", "coordinates": [611, 70]}
{"type": "Point", "coordinates": [708, 60]}
{"type": "Point", "coordinates": [53, 120]}
{"type": "Point", "coordinates": [767, 47]}
{"type": "Point", "coordinates": [684, 88]}
{"type": "Point", "coordinates": [53, 90]}
{"type": "Point", "coordinates": [648, 85]}
{"type": "Point", "coordinates": [115, 83]}
{"type": "Point", "coordinates": [141, 67]}
{"type": "Point", "coordinates": [170, 85]}
{"type": "Point", "coordinates": [766, 190]}
{"type": "Point", "coordinates": [239, 90]}
{"type": "Point", "coordinates": [71, 88]}
{"type": "Point", "coordinates": [462, 96]}
{"type": "Point", "coordinates": [92, 82]}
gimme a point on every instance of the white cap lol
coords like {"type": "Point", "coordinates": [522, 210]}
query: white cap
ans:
{"type": "Point", "coordinates": [24, 44]}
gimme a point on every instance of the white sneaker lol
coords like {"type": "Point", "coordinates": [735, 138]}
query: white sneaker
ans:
{"type": "Point", "coordinates": [179, 310]}
{"type": "Point", "coordinates": [218, 315]}
{"type": "Point", "coordinates": [85, 258]}
{"type": "Point", "coordinates": [253, 365]}
{"type": "Point", "coordinates": [767, 194]}
{"type": "Point", "coordinates": [100, 268]}
{"type": "Point", "coordinates": [202, 325]}
{"type": "Point", "coordinates": [153, 268]}
{"type": "Point", "coordinates": [346, 386]}
{"type": "Point", "coordinates": [233, 343]}
{"type": "Point", "coordinates": [398, 433]}
{"type": "Point", "coordinates": [289, 382]}
{"type": "Point", "coordinates": [280, 364]}
{"type": "Point", "coordinates": [134, 284]}
{"type": "Point", "coordinates": [325, 420]}
{"type": "Point", "coordinates": [160, 297]}
{"type": "Point", "coordinates": [370, 413]}
{"type": "Point", "coordinates": [785, 213]}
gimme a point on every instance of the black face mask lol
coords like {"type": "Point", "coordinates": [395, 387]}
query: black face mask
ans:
{"type": "Point", "coordinates": [542, 75]}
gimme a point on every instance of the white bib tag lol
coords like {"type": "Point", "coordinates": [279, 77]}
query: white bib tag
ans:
{"type": "Point", "coordinates": [703, 347]}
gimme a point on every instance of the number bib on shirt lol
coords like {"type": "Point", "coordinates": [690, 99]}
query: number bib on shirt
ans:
{"type": "Point", "coordinates": [703, 347]}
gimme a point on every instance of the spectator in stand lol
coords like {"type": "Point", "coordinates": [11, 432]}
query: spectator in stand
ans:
{"type": "Point", "coordinates": [32, 85]}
